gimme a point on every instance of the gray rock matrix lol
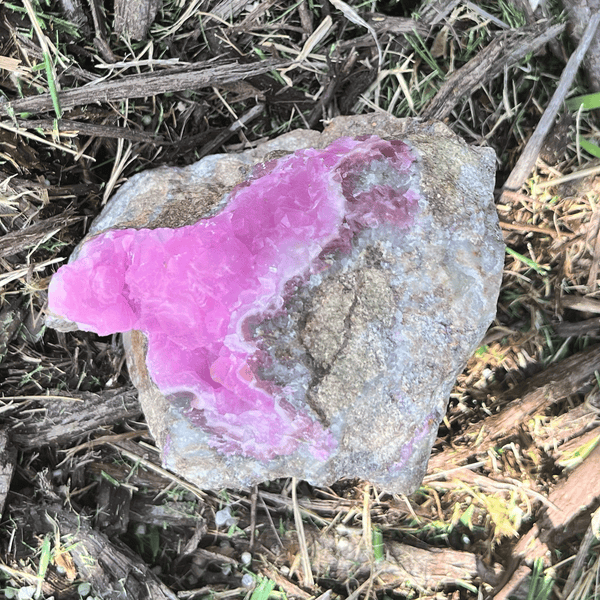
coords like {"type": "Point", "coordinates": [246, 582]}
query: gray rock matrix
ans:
{"type": "Point", "coordinates": [375, 345]}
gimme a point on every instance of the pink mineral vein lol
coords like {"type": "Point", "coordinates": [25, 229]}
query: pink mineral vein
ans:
{"type": "Point", "coordinates": [192, 289]}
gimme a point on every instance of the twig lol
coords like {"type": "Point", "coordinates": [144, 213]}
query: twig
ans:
{"type": "Point", "coordinates": [532, 149]}
{"type": "Point", "coordinates": [100, 38]}
{"type": "Point", "coordinates": [533, 228]}
{"type": "Point", "coordinates": [253, 499]}
{"type": "Point", "coordinates": [236, 126]}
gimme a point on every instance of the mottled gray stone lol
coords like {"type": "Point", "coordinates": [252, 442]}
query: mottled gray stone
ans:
{"type": "Point", "coordinates": [375, 345]}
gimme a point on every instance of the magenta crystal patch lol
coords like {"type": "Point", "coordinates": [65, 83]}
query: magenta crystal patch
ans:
{"type": "Point", "coordinates": [193, 290]}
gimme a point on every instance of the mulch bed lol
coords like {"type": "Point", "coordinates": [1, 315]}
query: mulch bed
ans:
{"type": "Point", "coordinates": [510, 502]}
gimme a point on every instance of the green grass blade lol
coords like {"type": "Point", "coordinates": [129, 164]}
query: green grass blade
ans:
{"type": "Point", "coordinates": [52, 86]}
{"type": "Point", "coordinates": [45, 556]}
{"type": "Point", "coordinates": [418, 45]}
{"type": "Point", "coordinates": [527, 261]}
{"type": "Point", "coordinates": [590, 147]}
{"type": "Point", "coordinates": [378, 546]}
{"type": "Point", "coordinates": [588, 101]}
{"type": "Point", "coordinates": [263, 590]}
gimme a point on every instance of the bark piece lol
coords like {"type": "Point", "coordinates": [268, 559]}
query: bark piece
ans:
{"type": "Point", "coordinates": [573, 500]}
{"type": "Point", "coordinates": [567, 329]}
{"type": "Point", "coordinates": [68, 418]}
{"type": "Point", "coordinates": [8, 460]}
{"type": "Point", "coordinates": [17, 241]}
{"type": "Point", "coordinates": [581, 303]}
{"type": "Point", "coordinates": [133, 18]}
{"type": "Point", "coordinates": [505, 50]}
{"type": "Point", "coordinates": [112, 508]}
{"type": "Point", "coordinates": [194, 76]}
{"type": "Point", "coordinates": [530, 397]}
{"type": "Point", "coordinates": [342, 554]}
{"type": "Point", "coordinates": [11, 319]}
{"type": "Point", "coordinates": [113, 569]}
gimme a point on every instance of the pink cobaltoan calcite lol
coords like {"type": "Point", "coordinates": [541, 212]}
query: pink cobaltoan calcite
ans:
{"type": "Point", "coordinates": [193, 291]}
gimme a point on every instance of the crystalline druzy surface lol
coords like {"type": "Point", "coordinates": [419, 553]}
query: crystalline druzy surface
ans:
{"type": "Point", "coordinates": [194, 290]}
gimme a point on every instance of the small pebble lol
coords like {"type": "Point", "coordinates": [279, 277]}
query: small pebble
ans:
{"type": "Point", "coordinates": [25, 593]}
{"type": "Point", "coordinates": [84, 589]}
{"type": "Point", "coordinates": [140, 529]}
{"type": "Point", "coordinates": [222, 516]}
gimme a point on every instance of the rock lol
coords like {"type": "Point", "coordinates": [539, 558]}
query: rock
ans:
{"type": "Point", "coordinates": [313, 321]}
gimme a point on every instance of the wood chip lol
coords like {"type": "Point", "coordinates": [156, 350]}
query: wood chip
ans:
{"type": "Point", "coordinates": [581, 303]}
{"type": "Point", "coordinates": [113, 569]}
{"type": "Point", "coordinates": [177, 79]}
{"type": "Point", "coordinates": [506, 49]}
{"type": "Point", "coordinates": [8, 461]}
{"type": "Point", "coordinates": [571, 498]}
{"type": "Point", "coordinates": [341, 554]}
{"type": "Point", "coordinates": [56, 425]}
{"type": "Point", "coordinates": [532, 396]}
{"type": "Point", "coordinates": [133, 18]}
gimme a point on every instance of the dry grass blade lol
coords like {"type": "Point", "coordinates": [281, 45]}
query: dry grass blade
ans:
{"type": "Point", "coordinates": [353, 16]}
{"type": "Point", "coordinates": [41, 140]}
{"type": "Point", "coordinates": [304, 557]}
{"type": "Point", "coordinates": [140, 459]}
{"type": "Point", "coordinates": [122, 159]}
{"type": "Point", "coordinates": [320, 32]}
{"type": "Point", "coordinates": [566, 178]}
{"type": "Point", "coordinates": [27, 271]}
